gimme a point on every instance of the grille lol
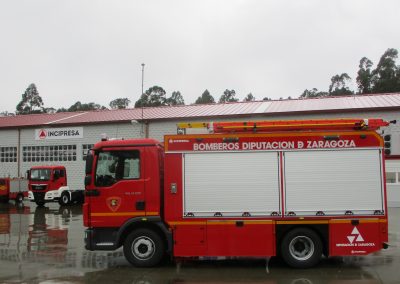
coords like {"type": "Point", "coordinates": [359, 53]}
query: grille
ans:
{"type": "Point", "coordinates": [39, 196]}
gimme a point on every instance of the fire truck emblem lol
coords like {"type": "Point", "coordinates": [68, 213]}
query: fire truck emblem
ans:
{"type": "Point", "coordinates": [355, 235]}
{"type": "Point", "coordinates": [114, 203]}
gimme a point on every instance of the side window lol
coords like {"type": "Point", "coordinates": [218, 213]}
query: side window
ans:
{"type": "Point", "coordinates": [113, 166]}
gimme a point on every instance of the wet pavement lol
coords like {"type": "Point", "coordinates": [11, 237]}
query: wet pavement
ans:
{"type": "Point", "coordinates": [45, 245]}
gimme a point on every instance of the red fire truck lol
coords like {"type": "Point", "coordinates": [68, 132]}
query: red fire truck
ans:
{"type": "Point", "coordinates": [49, 184]}
{"type": "Point", "coordinates": [13, 189]}
{"type": "Point", "coordinates": [298, 189]}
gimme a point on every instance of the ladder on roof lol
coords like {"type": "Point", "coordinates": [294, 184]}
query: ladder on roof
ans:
{"type": "Point", "coordinates": [287, 125]}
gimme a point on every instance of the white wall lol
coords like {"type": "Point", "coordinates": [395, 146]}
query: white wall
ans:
{"type": "Point", "coordinates": [393, 189]}
{"type": "Point", "coordinates": [75, 169]}
{"type": "Point", "coordinates": [157, 129]}
{"type": "Point", "coordinates": [8, 138]}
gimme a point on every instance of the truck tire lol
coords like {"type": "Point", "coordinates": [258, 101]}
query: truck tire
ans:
{"type": "Point", "coordinates": [301, 248]}
{"type": "Point", "coordinates": [40, 203]}
{"type": "Point", "coordinates": [144, 248]}
{"type": "Point", "coordinates": [64, 199]}
{"type": "Point", "coordinates": [19, 198]}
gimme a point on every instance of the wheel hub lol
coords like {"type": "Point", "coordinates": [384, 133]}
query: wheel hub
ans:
{"type": "Point", "coordinates": [301, 248]}
{"type": "Point", "coordinates": [143, 248]}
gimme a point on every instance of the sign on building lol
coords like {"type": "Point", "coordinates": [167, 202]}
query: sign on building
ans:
{"type": "Point", "coordinates": [58, 133]}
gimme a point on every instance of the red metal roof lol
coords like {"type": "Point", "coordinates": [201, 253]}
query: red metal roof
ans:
{"type": "Point", "coordinates": [332, 104]}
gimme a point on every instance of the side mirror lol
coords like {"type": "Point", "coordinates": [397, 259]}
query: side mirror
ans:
{"type": "Point", "coordinates": [88, 180]}
{"type": "Point", "coordinates": [28, 174]}
{"type": "Point", "coordinates": [89, 162]}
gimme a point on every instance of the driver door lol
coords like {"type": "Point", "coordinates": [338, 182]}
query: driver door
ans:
{"type": "Point", "coordinates": [119, 190]}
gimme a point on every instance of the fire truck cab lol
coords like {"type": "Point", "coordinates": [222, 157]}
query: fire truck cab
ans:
{"type": "Point", "coordinates": [300, 189]}
{"type": "Point", "coordinates": [49, 184]}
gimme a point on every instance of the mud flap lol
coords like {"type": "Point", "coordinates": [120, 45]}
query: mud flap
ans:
{"type": "Point", "coordinates": [354, 237]}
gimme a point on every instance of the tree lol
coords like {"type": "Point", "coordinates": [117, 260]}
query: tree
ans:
{"type": "Point", "coordinates": [338, 86]}
{"type": "Point", "coordinates": [78, 106]}
{"type": "Point", "coordinates": [228, 96]}
{"type": "Point", "coordinates": [63, 109]}
{"type": "Point", "coordinates": [49, 110]}
{"type": "Point", "coordinates": [386, 75]}
{"type": "Point", "coordinates": [267, 99]}
{"type": "Point", "coordinates": [175, 99]}
{"type": "Point", "coordinates": [120, 103]}
{"type": "Point", "coordinates": [205, 98]}
{"type": "Point", "coordinates": [6, 113]}
{"type": "Point", "coordinates": [153, 97]}
{"type": "Point", "coordinates": [249, 98]}
{"type": "Point", "coordinates": [364, 76]}
{"type": "Point", "coordinates": [31, 102]}
{"type": "Point", "coordinates": [313, 93]}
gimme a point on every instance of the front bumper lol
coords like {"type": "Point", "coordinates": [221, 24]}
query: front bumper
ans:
{"type": "Point", "coordinates": [100, 239]}
{"type": "Point", "coordinates": [48, 196]}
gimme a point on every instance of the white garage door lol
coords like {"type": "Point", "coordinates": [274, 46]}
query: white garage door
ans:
{"type": "Point", "coordinates": [231, 183]}
{"type": "Point", "coordinates": [333, 182]}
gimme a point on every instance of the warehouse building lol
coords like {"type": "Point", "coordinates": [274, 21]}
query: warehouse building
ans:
{"type": "Point", "coordinates": [64, 138]}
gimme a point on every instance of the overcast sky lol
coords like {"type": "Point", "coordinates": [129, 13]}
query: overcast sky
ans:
{"type": "Point", "coordinates": [92, 51]}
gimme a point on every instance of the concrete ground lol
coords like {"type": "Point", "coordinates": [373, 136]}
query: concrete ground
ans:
{"type": "Point", "coordinates": [45, 245]}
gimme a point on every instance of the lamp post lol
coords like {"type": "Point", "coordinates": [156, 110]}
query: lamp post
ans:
{"type": "Point", "coordinates": [142, 76]}
{"type": "Point", "coordinates": [142, 128]}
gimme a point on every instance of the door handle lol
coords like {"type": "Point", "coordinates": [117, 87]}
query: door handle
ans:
{"type": "Point", "coordinates": [92, 192]}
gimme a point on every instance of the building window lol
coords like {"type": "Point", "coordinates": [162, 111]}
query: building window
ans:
{"type": "Point", "coordinates": [8, 154]}
{"type": "Point", "coordinates": [85, 150]}
{"type": "Point", "coordinates": [392, 177]}
{"type": "Point", "coordinates": [56, 153]}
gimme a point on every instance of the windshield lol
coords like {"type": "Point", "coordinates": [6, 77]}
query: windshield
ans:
{"type": "Point", "coordinates": [40, 174]}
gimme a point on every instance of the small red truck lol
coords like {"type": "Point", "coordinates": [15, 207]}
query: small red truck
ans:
{"type": "Point", "coordinates": [298, 189]}
{"type": "Point", "coordinates": [49, 184]}
{"type": "Point", "coordinates": [13, 189]}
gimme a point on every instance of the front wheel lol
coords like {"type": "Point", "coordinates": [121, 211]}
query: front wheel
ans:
{"type": "Point", "coordinates": [64, 200]}
{"type": "Point", "coordinates": [301, 248]}
{"type": "Point", "coordinates": [144, 248]}
{"type": "Point", "coordinates": [20, 198]}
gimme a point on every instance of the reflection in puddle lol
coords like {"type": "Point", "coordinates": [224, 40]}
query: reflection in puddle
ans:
{"type": "Point", "coordinates": [41, 244]}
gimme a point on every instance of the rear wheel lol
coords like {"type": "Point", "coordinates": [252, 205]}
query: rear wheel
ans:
{"type": "Point", "coordinates": [144, 248]}
{"type": "Point", "coordinates": [301, 248]}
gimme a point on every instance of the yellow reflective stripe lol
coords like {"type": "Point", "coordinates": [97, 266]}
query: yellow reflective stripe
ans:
{"type": "Point", "coordinates": [344, 221]}
{"type": "Point", "coordinates": [303, 222]}
{"type": "Point", "coordinates": [222, 222]}
{"type": "Point", "coordinates": [187, 223]}
{"type": "Point", "coordinates": [108, 214]}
